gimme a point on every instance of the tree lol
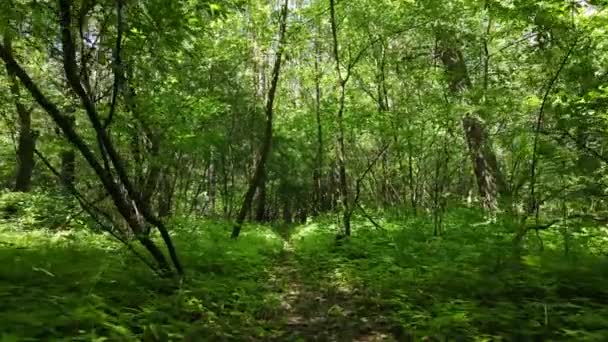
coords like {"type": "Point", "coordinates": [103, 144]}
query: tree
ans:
{"type": "Point", "coordinates": [258, 179]}
{"type": "Point", "coordinates": [109, 166]}
{"type": "Point", "coordinates": [26, 140]}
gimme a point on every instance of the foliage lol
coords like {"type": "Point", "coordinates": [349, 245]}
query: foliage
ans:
{"type": "Point", "coordinates": [467, 285]}
{"type": "Point", "coordinates": [400, 282]}
{"type": "Point", "coordinates": [466, 140]}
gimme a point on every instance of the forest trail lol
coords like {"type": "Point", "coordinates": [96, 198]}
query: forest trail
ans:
{"type": "Point", "coordinates": [313, 310]}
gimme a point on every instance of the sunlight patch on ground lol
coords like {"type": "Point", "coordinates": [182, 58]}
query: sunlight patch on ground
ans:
{"type": "Point", "coordinates": [288, 247]}
{"type": "Point", "coordinates": [264, 233]}
{"type": "Point", "coordinates": [374, 336]}
{"type": "Point", "coordinates": [33, 238]}
{"type": "Point", "coordinates": [305, 231]}
{"type": "Point", "coordinates": [341, 282]}
{"type": "Point", "coordinates": [487, 222]}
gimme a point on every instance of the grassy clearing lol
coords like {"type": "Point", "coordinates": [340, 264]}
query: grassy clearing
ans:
{"type": "Point", "coordinates": [398, 284]}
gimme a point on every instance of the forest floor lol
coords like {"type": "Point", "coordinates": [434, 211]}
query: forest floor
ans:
{"type": "Point", "coordinates": [299, 283]}
{"type": "Point", "coordinates": [316, 311]}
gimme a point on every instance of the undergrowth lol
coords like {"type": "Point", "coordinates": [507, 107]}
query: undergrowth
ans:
{"type": "Point", "coordinates": [400, 283]}
{"type": "Point", "coordinates": [81, 286]}
{"type": "Point", "coordinates": [468, 284]}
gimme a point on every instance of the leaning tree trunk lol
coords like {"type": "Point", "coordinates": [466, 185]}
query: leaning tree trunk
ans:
{"type": "Point", "coordinates": [109, 168]}
{"type": "Point", "coordinates": [490, 181]}
{"type": "Point", "coordinates": [260, 169]}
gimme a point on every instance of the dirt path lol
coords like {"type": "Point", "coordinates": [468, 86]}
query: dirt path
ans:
{"type": "Point", "coordinates": [315, 311]}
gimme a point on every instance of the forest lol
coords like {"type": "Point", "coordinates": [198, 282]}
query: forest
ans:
{"type": "Point", "coordinates": [303, 170]}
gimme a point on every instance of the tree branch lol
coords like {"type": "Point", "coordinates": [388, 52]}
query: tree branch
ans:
{"type": "Point", "coordinates": [60, 119]}
{"type": "Point", "coordinates": [539, 120]}
{"type": "Point", "coordinates": [90, 209]}
{"type": "Point", "coordinates": [367, 170]}
{"type": "Point", "coordinates": [369, 218]}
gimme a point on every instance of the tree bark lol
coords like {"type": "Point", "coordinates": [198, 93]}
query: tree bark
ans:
{"type": "Point", "coordinates": [490, 181]}
{"type": "Point", "coordinates": [68, 167]}
{"type": "Point", "coordinates": [260, 213]}
{"type": "Point", "coordinates": [287, 215]}
{"type": "Point", "coordinates": [260, 169]}
{"type": "Point", "coordinates": [211, 185]}
{"type": "Point", "coordinates": [165, 199]}
{"type": "Point", "coordinates": [340, 147]}
{"type": "Point", "coordinates": [318, 196]}
{"type": "Point", "coordinates": [26, 142]}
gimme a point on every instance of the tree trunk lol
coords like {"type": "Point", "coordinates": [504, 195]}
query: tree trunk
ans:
{"type": "Point", "coordinates": [224, 190]}
{"type": "Point", "coordinates": [318, 196]}
{"type": "Point", "coordinates": [260, 169]}
{"type": "Point", "coordinates": [340, 147]}
{"type": "Point", "coordinates": [287, 215]}
{"type": "Point", "coordinates": [490, 181]}
{"type": "Point", "coordinates": [26, 142]}
{"type": "Point", "coordinates": [410, 175]}
{"type": "Point", "coordinates": [165, 199]}
{"type": "Point", "coordinates": [485, 165]}
{"type": "Point", "coordinates": [211, 186]}
{"type": "Point", "coordinates": [260, 213]}
{"type": "Point", "coordinates": [68, 158]}
{"type": "Point", "coordinates": [68, 167]}
{"type": "Point", "coordinates": [25, 157]}
{"type": "Point", "coordinates": [116, 182]}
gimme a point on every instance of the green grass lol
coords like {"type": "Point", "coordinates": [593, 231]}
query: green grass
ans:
{"type": "Point", "coordinates": [398, 284]}
{"type": "Point", "coordinates": [81, 286]}
{"type": "Point", "coordinates": [468, 284]}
